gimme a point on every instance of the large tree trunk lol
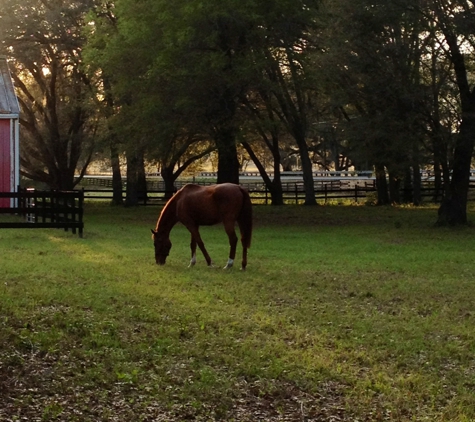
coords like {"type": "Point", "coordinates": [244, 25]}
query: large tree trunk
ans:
{"type": "Point", "coordinates": [274, 186]}
{"type": "Point", "coordinates": [453, 210]}
{"type": "Point", "coordinates": [228, 163]}
{"type": "Point", "coordinates": [116, 176]}
{"type": "Point", "coordinates": [381, 185]}
{"type": "Point", "coordinates": [407, 190]}
{"type": "Point", "coordinates": [416, 185]}
{"type": "Point", "coordinates": [114, 150]}
{"type": "Point", "coordinates": [63, 179]}
{"type": "Point", "coordinates": [308, 184]}
{"type": "Point", "coordinates": [394, 188]}
{"type": "Point", "coordinates": [142, 180]}
{"type": "Point", "coordinates": [136, 190]}
{"type": "Point", "coordinates": [131, 193]}
{"type": "Point", "coordinates": [437, 181]}
{"type": "Point", "coordinates": [169, 181]}
{"type": "Point", "coordinates": [277, 194]}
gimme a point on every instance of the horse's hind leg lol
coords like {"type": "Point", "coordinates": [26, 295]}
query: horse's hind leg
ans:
{"type": "Point", "coordinates": [244, 257]}
{"type": "Point", "coordinates": [193, 251]}
{"type": "Point", "coordinates": [244, 247]}
{"type": "Point", "coordinates": [229, 227]}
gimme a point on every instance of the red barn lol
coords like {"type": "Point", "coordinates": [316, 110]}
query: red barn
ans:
{"type": "Point", "coordinates": [9, 134]}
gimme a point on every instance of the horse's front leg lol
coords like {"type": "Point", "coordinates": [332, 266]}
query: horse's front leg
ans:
{"type": "Point", "coordinates": [193, 251]}
{"type": "Point", "coordinates": [196, 238]}
{"type": "Point", "coordinates": [229, 227]}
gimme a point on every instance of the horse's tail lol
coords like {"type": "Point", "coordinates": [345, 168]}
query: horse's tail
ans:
{"type": "Point", "coordinates": [245, 218]}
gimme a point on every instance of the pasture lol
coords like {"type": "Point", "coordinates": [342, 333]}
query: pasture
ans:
{"type": "Point", "coordinates": [345, 313]}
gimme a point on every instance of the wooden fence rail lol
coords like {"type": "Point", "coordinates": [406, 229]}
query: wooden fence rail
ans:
{"type": "Point", "coordinates": [292, 192]}
{"type": "Point", "coordinates": [45, 209]}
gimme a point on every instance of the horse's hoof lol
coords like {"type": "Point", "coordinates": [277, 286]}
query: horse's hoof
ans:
{"type": "Point", "coordinates": [229, 264]}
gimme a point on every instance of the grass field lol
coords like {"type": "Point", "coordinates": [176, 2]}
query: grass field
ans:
{"type": "Point", "coordinates": [344, 314]}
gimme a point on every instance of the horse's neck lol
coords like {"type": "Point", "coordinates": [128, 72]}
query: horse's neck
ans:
{"type": "Point", "coordinates": [168, 217]}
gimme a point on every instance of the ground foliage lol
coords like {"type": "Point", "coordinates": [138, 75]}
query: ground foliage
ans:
{"type": "Point", "coordinates": [344, 314]}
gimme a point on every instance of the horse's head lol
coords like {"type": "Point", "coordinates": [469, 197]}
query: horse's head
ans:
{"type": "Point", "coordinates": [162, 246]}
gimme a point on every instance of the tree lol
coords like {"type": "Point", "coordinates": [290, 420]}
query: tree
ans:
{"type": "Point", "coordinates": [264, 125]}
{"type": "Point", "coordinates": [283, 98]}
{"type": "Point", "coordinates": [123, 141]}
{"type": "Point", "coordinates": [59, 126]}
{"type": "Point", "coordinates": [170, 73]}
{"type": "Point", "coordinates": [144, 120]}
{"type": "Point", "coordinates": [455, 22]}
{"type": "Point", "coordinates": [200, 59]}
{"type": "Point", "coordinates": [289, 85]}
{"type": "Point", "coordinates": [161, 135]}
{"type": "Point", "coordinates": [375, 63]}
{"type": "Point", "coordinates": [101, 26]}
{"type": "Point", "coordinates": [403, 60]}
{"type": "Point", "coordinates": [182, 154]}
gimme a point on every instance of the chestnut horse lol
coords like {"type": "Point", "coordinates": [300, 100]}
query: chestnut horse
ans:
{"type": "Point", "coordinates": [194, 206]}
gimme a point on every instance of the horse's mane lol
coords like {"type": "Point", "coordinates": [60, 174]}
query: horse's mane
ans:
{"type": "Point", "coordinates": [170, 206]}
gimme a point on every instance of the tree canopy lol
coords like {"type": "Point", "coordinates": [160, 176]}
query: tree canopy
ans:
{"type": "Point", "coordinates": [59, 122]}
{"type": "Point", "coordinates": [358, 84]}
{"type": "Point", "coordinates": [200, 60]}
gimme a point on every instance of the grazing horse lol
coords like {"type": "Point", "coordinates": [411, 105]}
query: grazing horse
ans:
{"type": "Point", "coordinates": [194, 206]}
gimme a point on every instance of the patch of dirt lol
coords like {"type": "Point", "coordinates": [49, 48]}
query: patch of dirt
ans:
{"type": "Point", "coordinates": [289, 403]}
{"type": "Point", "coordinates": [33, 390]}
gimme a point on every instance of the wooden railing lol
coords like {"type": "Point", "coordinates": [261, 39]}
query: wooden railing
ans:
{"type": "Point", "coordinates": [44, 209]}
{"type": "Point", "coordinates": [292, 192]}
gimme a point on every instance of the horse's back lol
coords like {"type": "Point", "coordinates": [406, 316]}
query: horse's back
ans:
{"type": "Point", "coordinates": [216, 193]}
{"type": "Point", "coordinates": [208, 205]}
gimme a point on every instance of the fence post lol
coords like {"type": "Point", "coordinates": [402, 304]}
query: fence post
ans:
{"type": "Point", "coordinates": [80, 211]}
{"type": "Point", "coordinates": [53, 207]}
{"type": "Point", "coordinates": [356, 193]}
{"type": "Point", "coordinates": [40, 199]}
{"type": "Point", "coordinates": [73, 210]}
{"type": "Point", "coordinates": [21, 201]}
{"type": "Point", "coordinates": [30, 203]}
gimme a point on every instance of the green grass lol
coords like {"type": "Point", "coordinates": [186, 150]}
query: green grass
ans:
{"type": "Point", "coordinates": [356, 313]}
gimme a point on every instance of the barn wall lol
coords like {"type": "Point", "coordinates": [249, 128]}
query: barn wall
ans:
{"type": "Point", "coordinates": [6, 167]}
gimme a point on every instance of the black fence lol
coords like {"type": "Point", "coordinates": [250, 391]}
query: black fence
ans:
{"type": "Point", "coordinates": [361, 191]}
{"type": "Point", "coordinates": [44, 209]}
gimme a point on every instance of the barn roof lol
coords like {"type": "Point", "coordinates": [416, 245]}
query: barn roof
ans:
{"type": "Point", "coordinates": [8, 99]}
